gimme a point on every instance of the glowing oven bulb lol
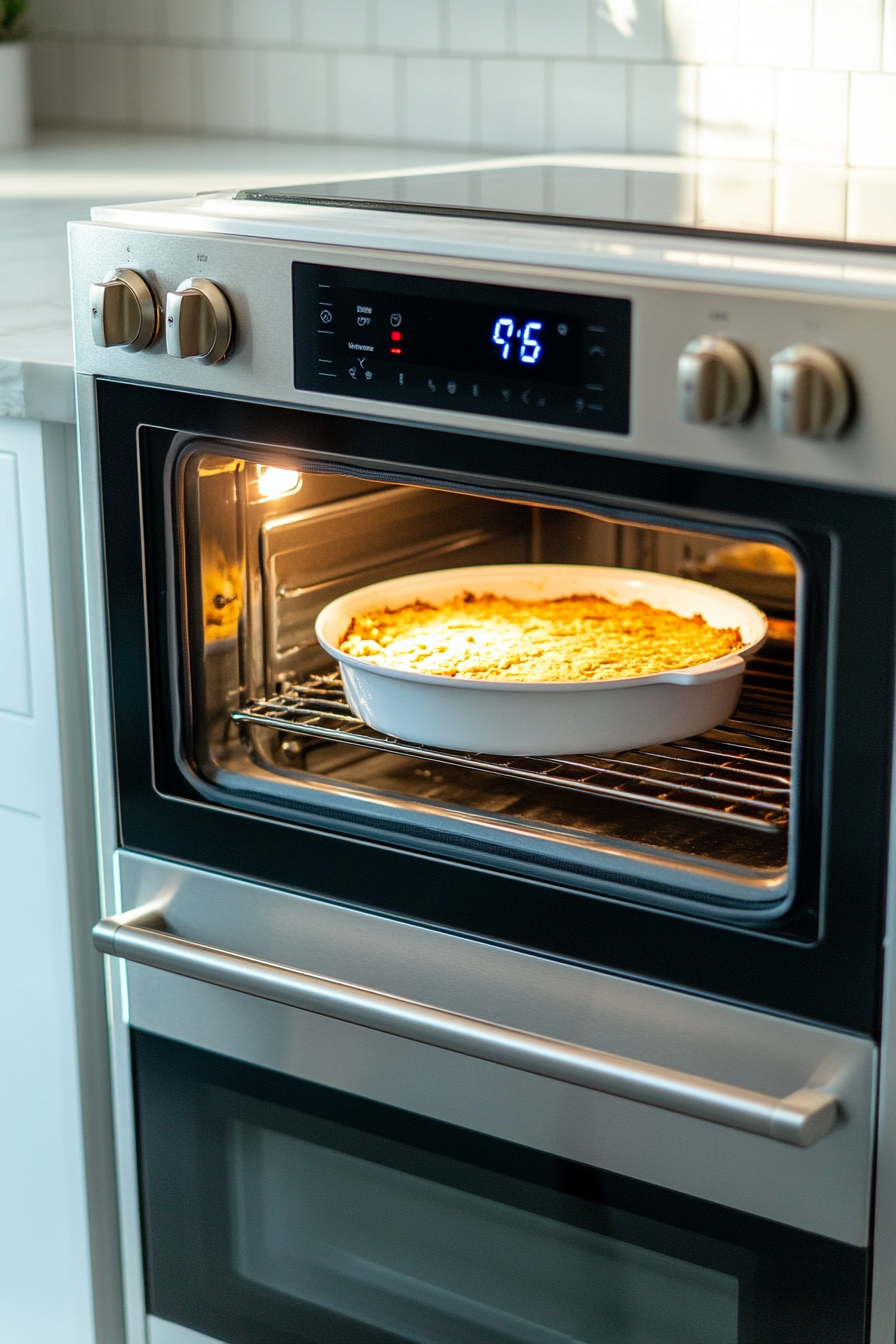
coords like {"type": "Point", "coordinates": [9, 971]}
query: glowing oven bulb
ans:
{"type": "Point", "coordinates": [275, 481]}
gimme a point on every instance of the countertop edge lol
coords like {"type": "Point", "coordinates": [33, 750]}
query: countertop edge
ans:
{"type": "Point", "coordinates": [37, 390]}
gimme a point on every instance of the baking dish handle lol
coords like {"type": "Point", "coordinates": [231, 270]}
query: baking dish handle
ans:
{"type": "Point", "coordinates": [802, 1118]}
{"type": "Point", "coordinates": [722, 669]}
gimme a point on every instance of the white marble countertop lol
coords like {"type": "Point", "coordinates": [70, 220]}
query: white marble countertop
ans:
{"type": "Point", "coordinates": [62, 174]}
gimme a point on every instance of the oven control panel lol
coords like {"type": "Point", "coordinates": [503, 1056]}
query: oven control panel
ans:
{"type": "Point", "coordinates": [562, 359]}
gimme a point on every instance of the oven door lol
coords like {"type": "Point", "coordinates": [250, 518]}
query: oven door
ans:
{"type": "Point", "coordinates": [304, 1177]}
{"type": "Point", "coordinates": [635, 866]}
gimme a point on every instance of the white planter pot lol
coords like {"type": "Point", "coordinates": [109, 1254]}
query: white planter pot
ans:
{"type": "Point", "coordinates": [15, 95]}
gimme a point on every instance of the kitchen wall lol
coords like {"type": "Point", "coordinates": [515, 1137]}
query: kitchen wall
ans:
{"type": "Point", "coordinates": [773, 80]}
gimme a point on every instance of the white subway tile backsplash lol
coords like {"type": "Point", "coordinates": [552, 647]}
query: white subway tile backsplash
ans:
{"type": "Point", "coordinates": [261, 22]}
{"type": "Point", "coordinates": [888, 61]}
{"type": "Point", "coordinates": [437, 100]}
{"type": "Point", "coordinates": [663, 109]}
{"type": "Point", "coordinates": [132, 18]}
{"type": "Point", "coordinates": [772, 33]}
{"type": "Point", "coordinates": [366, 97]}
{"type": "Point", "coordinates": [44, 21]}
{"type": "Point", "coordinates": [165, 86]}
{"type": "Point", "coordinates": [335, 23]}
{"type": "Point", "coordinates": [202, 20]}
{"type": "Point", "coordinates": [771, 80]}
{"type": "Point", "coordinates": [872, 121]}
{"type": "Point", "coordinates": [51, 89]}
{"type": "Point", "coordinates": [589, 105]}
{"type": "Point", "coordinates": [478, 26]}
{"type": "Point", "coordinates": [295, 96]}
{"type": "Point", "coordinates": [736, 112]}
{"type": "Point", "coordinates": [848, 34]}
{"type": "Point", "coordinates": [512, 104]}
{"type": "Point", "coordinates": [407, 25]}
{"type": "Point", "coordinates": [228, 90]}
{"type": "Point", "coordinates": [62, 18]}
{"type": "Point", "coordinates": [701, 30]}
{"type": "Point", "coordinates": [812, 112]}
{"type": "Point", "coordinates": [558, 28]}
{"type": "Point", "coordinates": [628, 30]}
{"type": "Point", "coordinates": [101, 84]}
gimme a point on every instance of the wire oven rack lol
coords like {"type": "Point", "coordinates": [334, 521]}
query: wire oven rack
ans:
{"type": "Point", "coordinates": [738, 773]}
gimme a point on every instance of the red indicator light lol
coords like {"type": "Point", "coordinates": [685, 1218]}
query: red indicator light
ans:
{"type": "Point", "coordinates": [396, 335]}
{"type": "Point", "coordinates": [394, 350]}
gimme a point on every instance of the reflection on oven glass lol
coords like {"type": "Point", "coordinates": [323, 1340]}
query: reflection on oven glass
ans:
{"type": "Point", "coordinates": [438, 1265]}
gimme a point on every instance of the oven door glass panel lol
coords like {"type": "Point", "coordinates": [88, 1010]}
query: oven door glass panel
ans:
{"type": "Point", "coordinates": [440, 1265]}
{"type": "Point", "coordinates": [276, 1210]}
{"type": "Point", "coordinates": [266, 545]}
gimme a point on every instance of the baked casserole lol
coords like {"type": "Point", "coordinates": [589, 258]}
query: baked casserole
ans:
{"type": "Point", "coordinates": [581, 637]}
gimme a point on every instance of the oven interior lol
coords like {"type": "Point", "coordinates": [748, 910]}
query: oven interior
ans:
{"type": "Point", "coordinates": [266, 541]}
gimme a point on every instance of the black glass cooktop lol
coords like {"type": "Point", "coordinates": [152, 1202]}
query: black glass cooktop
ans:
{"type": "Point", "coordinates": [810, 204]}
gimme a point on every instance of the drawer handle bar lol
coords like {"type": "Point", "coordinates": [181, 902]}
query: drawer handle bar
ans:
{"type": "Point", "coordinates": [803, 1118]}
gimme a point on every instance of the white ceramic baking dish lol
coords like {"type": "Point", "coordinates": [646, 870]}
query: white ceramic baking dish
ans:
{"type": "Point", "coordinates": [541, 718]}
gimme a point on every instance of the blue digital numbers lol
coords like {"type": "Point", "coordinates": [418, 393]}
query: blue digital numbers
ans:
{"type": "Point", "coordinates": [505, 331]}
{"type": "Point", "coordinates": [503, 335]}
{"type": "Point", "coordinates": [530, 350]}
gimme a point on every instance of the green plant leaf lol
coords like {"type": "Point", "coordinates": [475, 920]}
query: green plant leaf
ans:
{"type": "Point", "coordinates": [13, 17]}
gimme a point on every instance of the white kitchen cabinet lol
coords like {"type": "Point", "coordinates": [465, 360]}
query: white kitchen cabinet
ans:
{"type": "Point", "coordinates": [58, 1248]}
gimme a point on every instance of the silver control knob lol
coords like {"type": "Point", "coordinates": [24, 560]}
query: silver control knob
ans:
{"type": "Point", "coordinates": [811, 393]}
{"type": "Point", "coordinates": [198, 322]}
{"type": "Point", "coordinates": [716, 382]}
{"type": "Point", "coordinates": [124, 311]}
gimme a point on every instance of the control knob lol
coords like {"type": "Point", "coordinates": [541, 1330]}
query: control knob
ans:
{"type": "Point", "coordinates": [811, 393]}
{"type": "Point", "coordinates": [124, 311]}
{"type": "Point", "coordinates": [716, 382]}
{"type": "Point", "coordinates": [198, 322]}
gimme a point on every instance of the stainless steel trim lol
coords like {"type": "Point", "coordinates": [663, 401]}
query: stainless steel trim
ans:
{"type": "Point", "coordinates": [882, 1324]}
{"type": "Point", "coordinates": [802, 1118]}
{"type": "Point", "coordinates": [824, 1189]}
{"type": "Point", "coordinates": [255, 274]}
{"type": "Point", "coordinates": [106, 823]}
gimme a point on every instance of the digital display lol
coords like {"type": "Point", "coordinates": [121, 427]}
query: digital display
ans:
{"type": "Point", "coordinates": [521, 353]}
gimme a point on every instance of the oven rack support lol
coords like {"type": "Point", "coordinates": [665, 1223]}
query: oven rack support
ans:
{"type": "Point", "coordinates": [737, 773]}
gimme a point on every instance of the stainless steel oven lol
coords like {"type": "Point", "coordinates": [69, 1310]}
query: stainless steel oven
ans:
{"type": "Point", "coordinates": [424, 1044]}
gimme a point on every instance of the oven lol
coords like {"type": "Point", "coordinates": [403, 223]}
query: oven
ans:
{"type": "Point", "coordinates": [422, 1043]}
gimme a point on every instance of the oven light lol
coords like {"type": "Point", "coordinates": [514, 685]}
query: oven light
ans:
{"type": "Point", "coordinates": [275, 481]}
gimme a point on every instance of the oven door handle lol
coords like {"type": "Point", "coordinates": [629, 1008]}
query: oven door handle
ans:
{"type": "Point", "coordinates": [802, 1118]}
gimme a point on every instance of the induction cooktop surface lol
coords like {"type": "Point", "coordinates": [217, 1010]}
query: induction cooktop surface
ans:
{"type": "Point", "coordinates": [809, 203]}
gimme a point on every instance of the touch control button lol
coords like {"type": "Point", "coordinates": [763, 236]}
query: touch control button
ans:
{"type": "Point", "coordinates": [811, 393]}
{"type": "Point", "coordinates": [124, 312]}
{"type": "Point", "coordinates": [198, 322]}
{"type": "Point", "coordinates": [715, 382]}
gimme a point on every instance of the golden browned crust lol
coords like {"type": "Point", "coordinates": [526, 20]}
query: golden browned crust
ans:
{"type": "Point", "coordinates": [576, 638]}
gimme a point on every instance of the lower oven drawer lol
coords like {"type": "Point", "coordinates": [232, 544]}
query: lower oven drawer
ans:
{"type": "Point", "coordinates": [324, 1180]}
{"type": "Point", "coordinates": [277, 1210]}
